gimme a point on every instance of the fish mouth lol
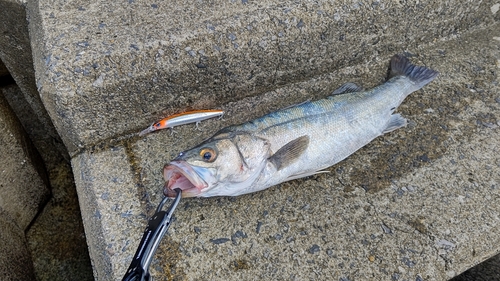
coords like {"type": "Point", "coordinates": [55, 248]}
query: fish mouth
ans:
{"type": "Point", "coordinates": [181, 175]}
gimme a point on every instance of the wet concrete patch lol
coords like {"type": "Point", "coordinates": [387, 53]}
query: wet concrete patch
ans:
{"type": "Point", "coordinates": [167, 268]}
{"type": "Point", "coordinates": [433, 118]}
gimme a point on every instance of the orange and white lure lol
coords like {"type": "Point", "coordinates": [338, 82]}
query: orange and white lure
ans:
{"type": "Point", "coordinates": [188, 117]}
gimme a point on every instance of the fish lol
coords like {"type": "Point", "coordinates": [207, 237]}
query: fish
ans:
{"type": "Point", "coordinates": [194, 116]}
{"type": "Point", "coordinates": [297, 141]}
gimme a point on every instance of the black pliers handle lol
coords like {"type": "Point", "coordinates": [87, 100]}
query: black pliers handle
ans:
{"type": "Point", "coordinates": [156, 229]}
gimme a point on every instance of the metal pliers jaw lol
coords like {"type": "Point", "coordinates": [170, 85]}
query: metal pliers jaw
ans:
{"type": "Point", "coordinates": [156, 229]}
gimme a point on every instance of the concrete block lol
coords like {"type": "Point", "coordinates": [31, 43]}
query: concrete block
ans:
{"type": "Point", "coordinates": [56, 239]}
{"type": "Point", "coordinates": [15, 50]}
{"type": "Point", "coordinates": [421, 203]}
{"type": "Point", "coordinates": [16, 55]}
{"type": "Point", "coordinates": [23, 182]}
{"type": "Point", "coordinates": [112, 221]}
{"type": "Point", "coordinates": [15, 259]}
{"type": "Point", "coordinates": [50, 148]}
{"type": "Point", "coordinates": [109, 69]}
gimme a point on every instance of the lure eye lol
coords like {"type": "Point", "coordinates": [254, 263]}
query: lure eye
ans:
{"type": "Point", "coordinates": [208, 154]}
{"type": "Point", "coordinates": [157, 125]}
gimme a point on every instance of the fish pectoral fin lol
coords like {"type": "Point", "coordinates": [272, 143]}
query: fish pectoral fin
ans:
{"type": "Point", "coordinates": [348, 87]}
{"type": "Point", "coordinates": [290, 152]}
{"type": "Point", "coordinates": [395, 122]}
{"type": "Point", "coordinates": [303, 175]}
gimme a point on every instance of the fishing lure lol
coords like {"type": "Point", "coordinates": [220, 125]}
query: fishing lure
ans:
{"type": "Point", "coordinates": [188, 117]}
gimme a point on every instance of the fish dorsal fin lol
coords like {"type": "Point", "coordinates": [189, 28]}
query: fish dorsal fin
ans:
{"type": "Point", "coordinates": [348, 87]}
{"type": "Point", "coordinates": [290, 152]}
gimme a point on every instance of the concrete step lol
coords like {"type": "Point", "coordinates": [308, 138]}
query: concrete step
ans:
{"type": "Point", "coordinates": [409, 206]}
{"type": "Point", "coordinates": [106, 70]}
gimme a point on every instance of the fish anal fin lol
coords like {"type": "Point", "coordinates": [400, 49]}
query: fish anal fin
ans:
{"type": "Point", "coordinates": [395, 122]}
{"type": "Point", "coordinates": [348, 87]}
{"type": "Point", "coordinates": [290, 152]}
{"type": "Point", "coordinates": [303, 175]}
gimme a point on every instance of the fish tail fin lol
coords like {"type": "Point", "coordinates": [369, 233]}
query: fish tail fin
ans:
{"type": "Point", "coordinates": [420, 75]}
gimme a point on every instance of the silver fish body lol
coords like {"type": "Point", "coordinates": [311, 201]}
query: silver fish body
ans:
{"type": "Point", "coordinates": [297, 141]}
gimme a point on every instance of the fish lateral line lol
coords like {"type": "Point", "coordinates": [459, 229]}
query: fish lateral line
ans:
{"type": "Point", "coordinates": [193, 116]}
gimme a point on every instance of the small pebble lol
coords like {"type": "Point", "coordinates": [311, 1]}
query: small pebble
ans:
{"type": "Point", "coordinates": [259, 224]}
{"type": "Point", "coordinates": [300, 24]}
{"type": "Point", "coordinates": [314, 249]}
{"type": "Point", "coordinates": [386, 229]}
{"type": "Point", "coordinates": [219, 240]}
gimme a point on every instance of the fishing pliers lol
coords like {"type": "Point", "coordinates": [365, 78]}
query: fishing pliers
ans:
{"type": "Point", "coordinates": [158, 225]}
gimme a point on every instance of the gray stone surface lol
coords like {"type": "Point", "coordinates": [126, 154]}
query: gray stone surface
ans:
{"type": "Point", "coordinates": [105, 201]}
{"type": "Point", "coordinates": [421, 203]}
{"type": "Point", "coordinates": [108, 69]}
{"type": "Point", "coordinates": [23, 191]}
{"type": "Point", "coordinates": [15, 53]}
{"type": "Point", "coordinates": [15, 259]}
{"type": "Point", "coordinates": [56, 239]}
{"type": "Point", "coordinates": [23, 182]}
{"type": "Point", "coordinates": [49, 146]}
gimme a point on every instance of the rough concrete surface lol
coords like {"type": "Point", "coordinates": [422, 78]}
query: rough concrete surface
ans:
{"type": "Point", "coordinates": [15, 259]}
{"type": "Point", "coordinates": [23, 191]}
{"type": "Point", "coordinates": [420, 203]}
{"type": "Point", "coordinates": [23, 184]}
{"type": "Point", "coordinates": [56, 239]}
{"type": "Point", "coordinates": [105, 203]}
{"type": "Point", "coordinates": [15, 52]}
{"type": "Point", "coordinates": [49, 146]}
{"type": "Point", "coordinates": [107, 69]}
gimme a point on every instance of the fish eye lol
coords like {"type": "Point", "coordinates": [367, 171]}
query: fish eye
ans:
{"type": "Point", "coordinates": [208, 154]}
